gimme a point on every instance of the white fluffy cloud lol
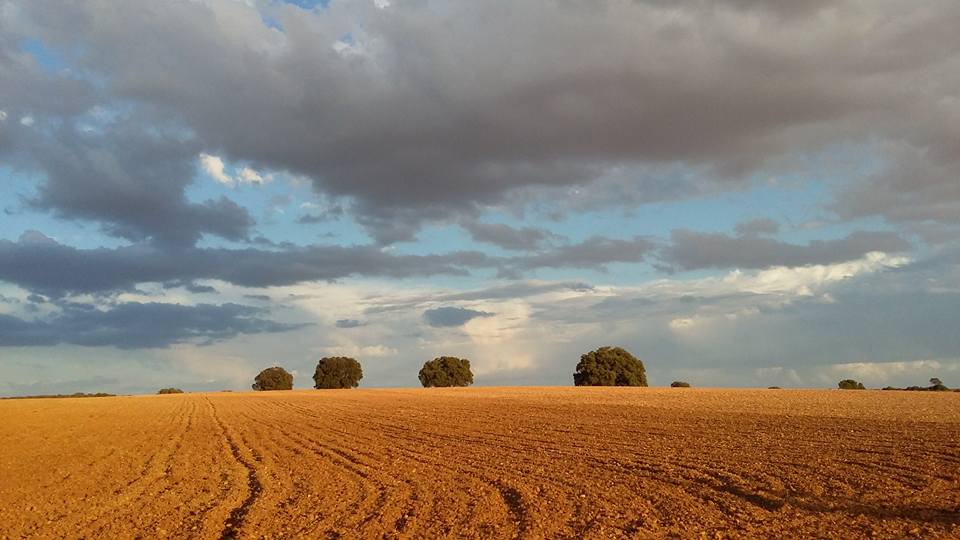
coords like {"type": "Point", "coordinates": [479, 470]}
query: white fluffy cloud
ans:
{"type": "Point", "coordinates": [217, 169]}
{"type": "Point", "coordinates": [214, 166]}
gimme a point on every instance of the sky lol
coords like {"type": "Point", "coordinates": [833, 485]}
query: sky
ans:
{"type": "Point", "coordinates": [739, 192]}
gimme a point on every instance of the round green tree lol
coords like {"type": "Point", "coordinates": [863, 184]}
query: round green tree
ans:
{"type": "Point", "coordinates": [337, 372]}
{"type": "Point", "coordinates": [609, 366]}
{"type": "Point", "coordinates": [273, 378]}
{"type": "Point", "coordinates": [446, 371]}
{"type": "Point", "coordinates": [850, 384]}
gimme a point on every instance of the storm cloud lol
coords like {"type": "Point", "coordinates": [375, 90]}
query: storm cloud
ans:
{"type": "Point", "coordinates": [54, 269]}
{"type": "Point", "coordinates": [692, 250]}
{"type": "Point", "coordinates": [452, 316]}
{"type": "Point", "coordinates": [134, 325]}
{"type": "Point", "coordinates": [417, 115]}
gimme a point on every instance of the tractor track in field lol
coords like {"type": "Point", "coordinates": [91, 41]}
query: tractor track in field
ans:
{"type": "Point", "coordinates": [484, 463]}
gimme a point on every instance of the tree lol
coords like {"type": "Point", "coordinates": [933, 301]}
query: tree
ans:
{"type": "Point", "coordinates": [850, 384]}
{"type": "Point", "coordinates": [446, 371]}
{"type": "Point", "coordinates": [337, 372]}
{"type": "Point", "coordinates": [273, 378]}
{"type": "Point", "coordinates": [609, 366]}
{"type": "Point", "coordinates": [679, 384]}
{"type": "Point", "coordinates": [170, 391]}
{"type": "Point", "coordinates": [934, 381]}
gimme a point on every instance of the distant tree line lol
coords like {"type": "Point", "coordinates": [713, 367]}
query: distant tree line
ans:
{"type": "Point", "coordinates": [605, 366]}
{"type": "Point", "coordinates": [936, 385]}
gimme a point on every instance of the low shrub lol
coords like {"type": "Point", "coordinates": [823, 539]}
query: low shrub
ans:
{"type": "Point", "coordinates": [679, 384]}
{"type": "Point", "coordinates": [850, 384]}
{"type": "Point", "coordinates": [170, 391]}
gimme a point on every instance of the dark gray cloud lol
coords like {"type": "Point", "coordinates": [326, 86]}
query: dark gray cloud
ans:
{"type": "Point", "coordinates": [190, 287]}
{"type": "Point", "coordinates": [133, 183]}
{"type": "Point", "coordinates": [329, 214]}
{"type": "Point", "coordinates": [348, 323]}
{"type": "Point", "coordinates": [919, 185]}
{"type": "Point", "coordinates": [507, 237]}
{"type": "Point", "coordinates": [593, 253]}
{"type": "Point", "coordinates": [756, 227]}
{"type": "Point", "coordinates": [56, 270]}
{"type": "Point", "coordinates": [423, 119]}
{"type": "Point", "coordinates": [452, 316]}
{"type": "Point", "coordinates": [690, 250]}
{"type": "Point", "coordinates": [134, 325]}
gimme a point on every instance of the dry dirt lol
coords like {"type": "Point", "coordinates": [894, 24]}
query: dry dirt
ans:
{"type": "Point", "coordinates": [487, 463]}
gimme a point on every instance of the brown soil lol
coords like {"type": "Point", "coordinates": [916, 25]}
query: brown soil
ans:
{"type": "Point", "coordinates": [484, 463]}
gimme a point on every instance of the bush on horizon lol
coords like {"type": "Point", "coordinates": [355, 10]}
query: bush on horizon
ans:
{"type": "Point", "coordinates": [170, 391]}
{"type": "Point", "coordinates": [609, 366]}
{"type": "Point", "coordinates": [850, 384]}
{"type": "Point", "coordinates": [273, 378]}
{"type": "Point", "coordinates": [446, 371]}
{"type": "Point", "coordinates": [337, 372]}
{"type": "Point", "coordinates": [679, 384]}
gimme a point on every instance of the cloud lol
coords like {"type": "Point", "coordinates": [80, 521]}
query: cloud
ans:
{"type": "Point", "coordinates": [757, 227]}
{"type": "Point", "coordinates": [133, 182]}
{"type": "Point", "coordinates": [57, 270]}
{"type": "Point", "coordinates": [594, 253]}
{"type": "Point", "coordinates": [327, 214]}
{"type": "Point", "coordinates": [918, 184]}
{"type": "Point", "coordinates": [452, 316]}
{"type": "Point", "coordinates": [426, 121]}
{"type": "Point", "coordinates": [507, 237]}
{"type": "Point", "coordinates": [215, 168]}
{"type": "Point", "coordinates": [348, 323]}
{"type": "Point", "coordinates": [247, 175]}
{"type": "Point", "coordinates": [690, 250]}
{"type": "Point", "coordinates": [880, 372]}
{"type": "Point", "coordinates": [134, 325]}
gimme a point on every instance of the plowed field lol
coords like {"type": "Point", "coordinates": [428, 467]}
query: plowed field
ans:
{"type": "Point", "coordinates": [486, 463]}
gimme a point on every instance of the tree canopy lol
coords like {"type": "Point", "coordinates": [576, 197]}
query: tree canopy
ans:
{"type": "Point", "coordinates": [337, 372]}
{"type": "Point", "coordinates": [273, 378]}
{"type": "Point", "coordinates": [609, 366]}
{"type": "Point", "coordinates": [446, 371]}
{"type": "Point", "coordinates": [850, 384]}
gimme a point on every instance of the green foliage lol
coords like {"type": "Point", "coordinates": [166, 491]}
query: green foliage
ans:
{"type": "Point", "coordinates": [609, 366]}
{"type": "Point", "coordinates": [170, 391]}
{"type": "Point", "coordinates": [446, 371]}
{"type": "Point", "coordinates": [337, 372]}
{"type": "Point", "coordinates": [936, 385]}
{"type": "Point", "coordinates": [850, 384]}
{"type": "Point", "coordinates": [273, 378]}
{"type": "Point", "coordinates": [679, 384]}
